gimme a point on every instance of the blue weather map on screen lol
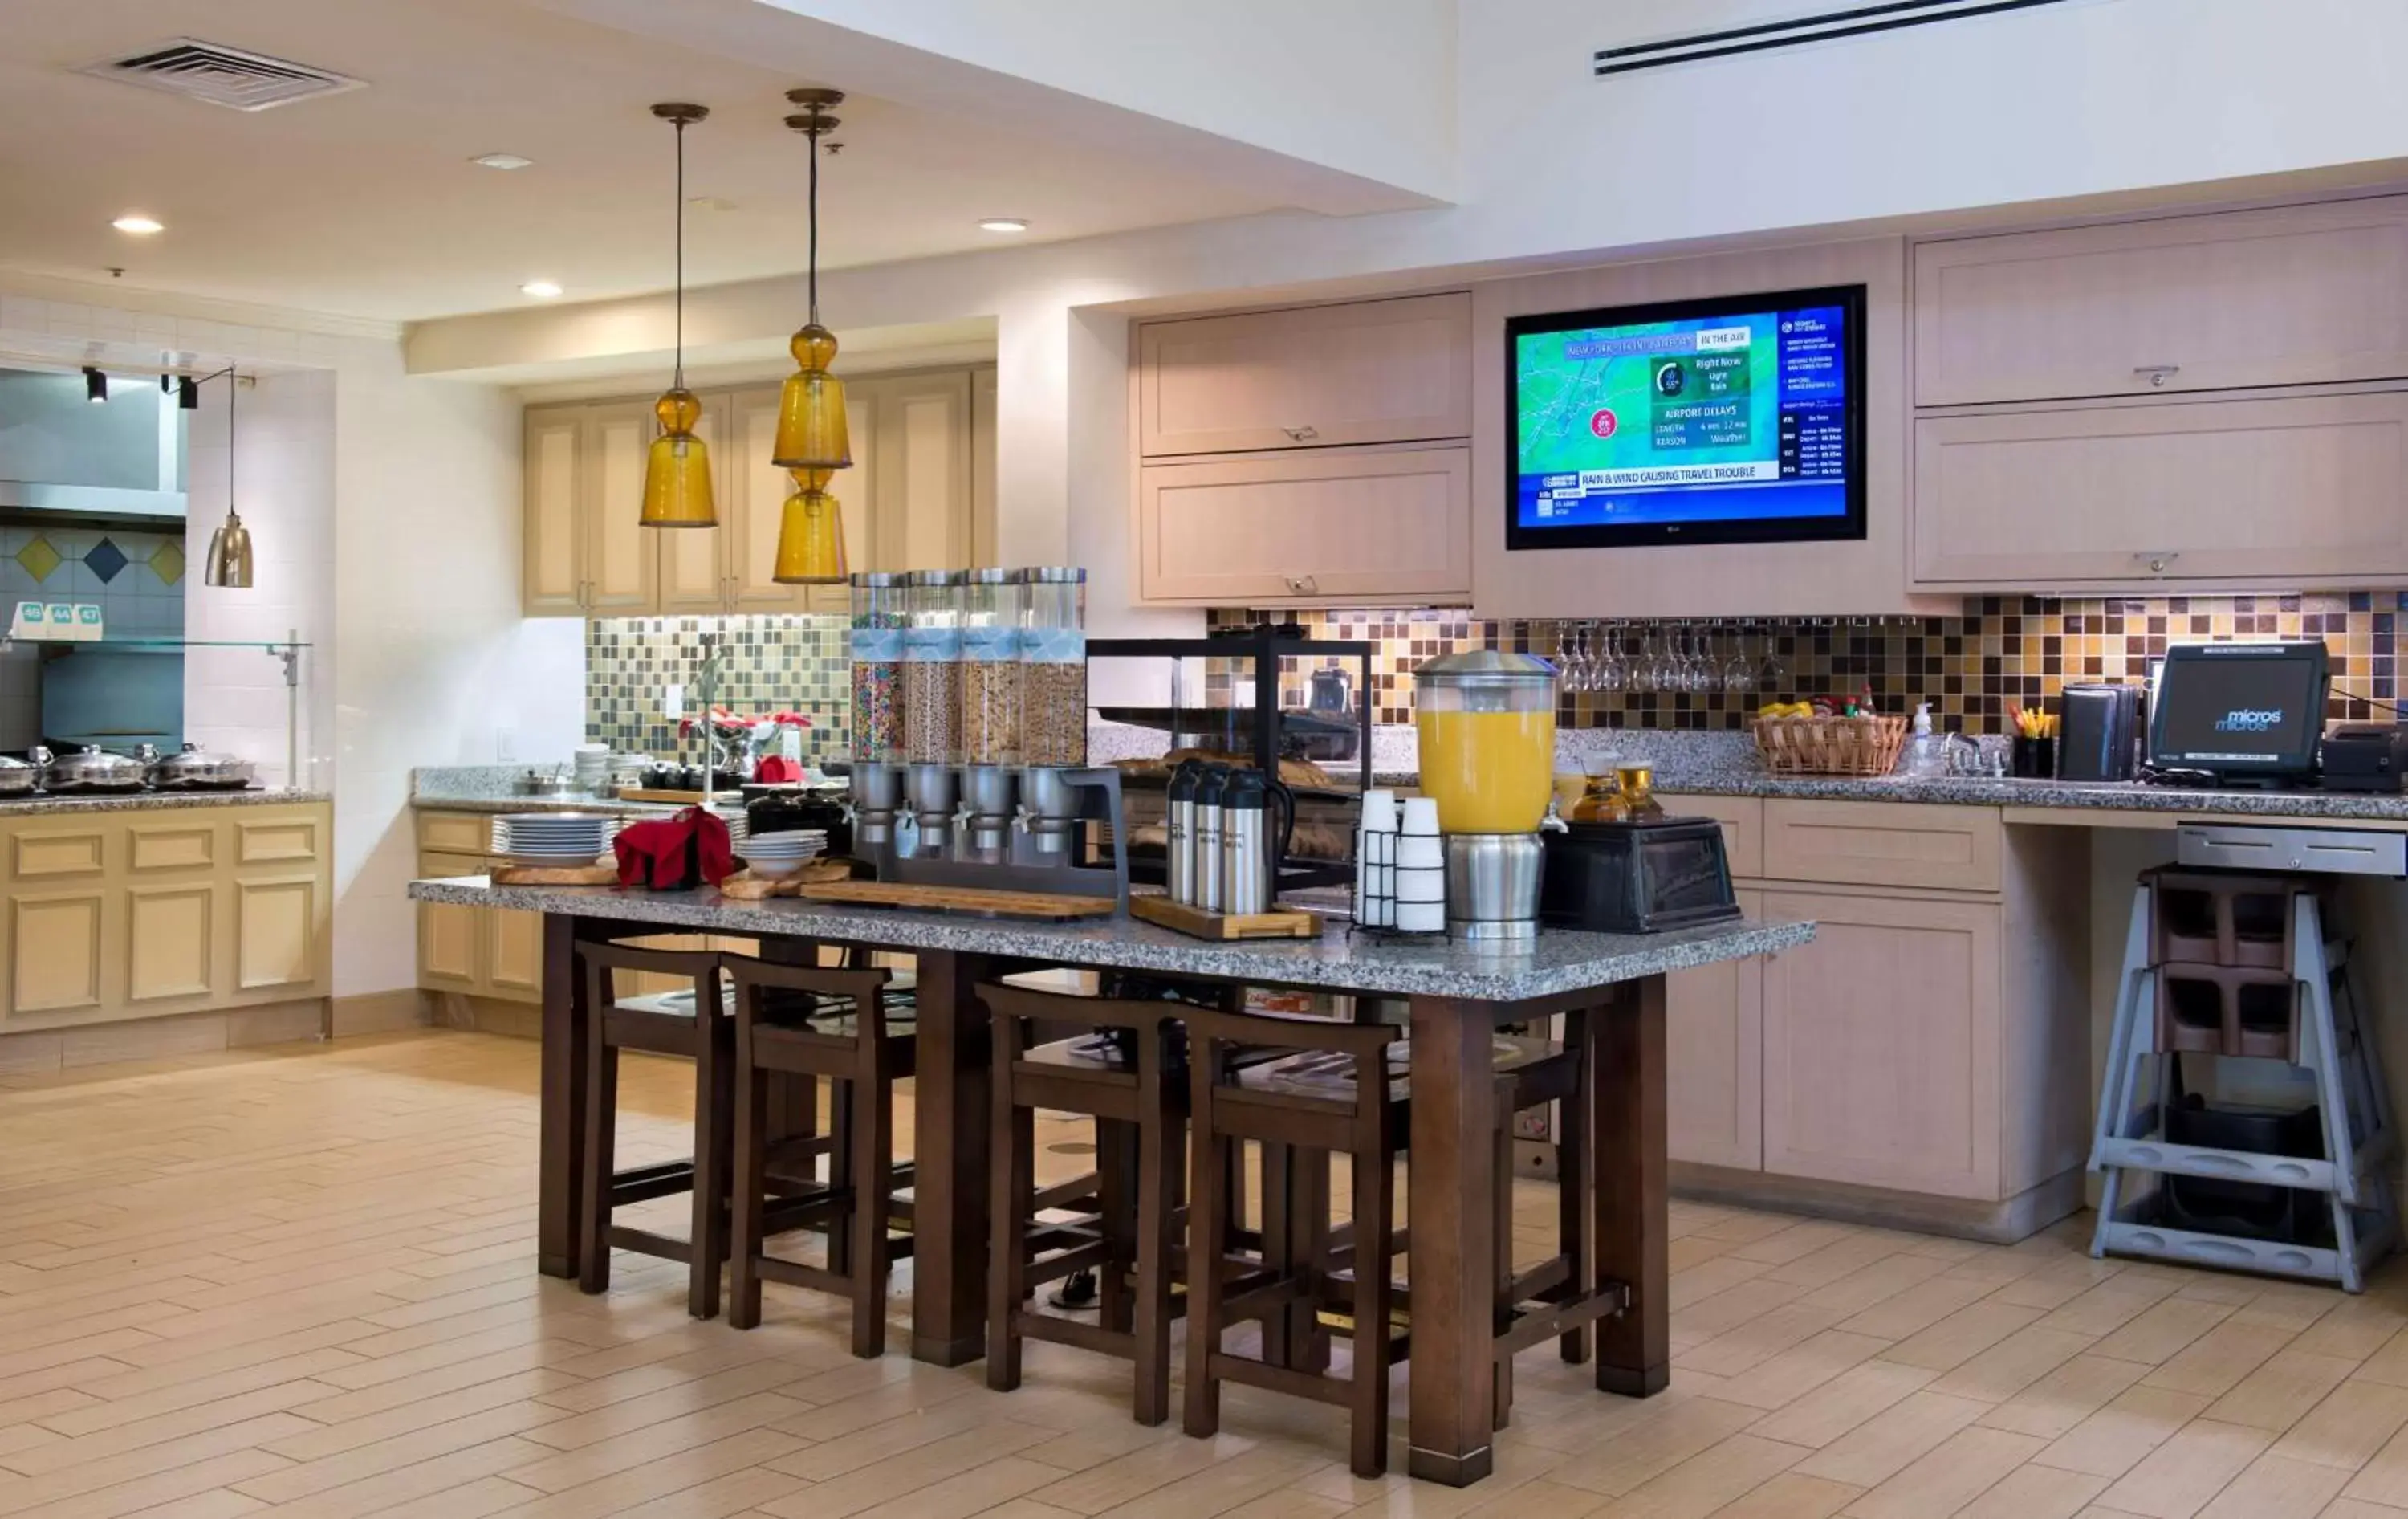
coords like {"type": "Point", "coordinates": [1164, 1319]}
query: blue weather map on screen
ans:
{"type": "Point", "coordinates": [1731, 423]}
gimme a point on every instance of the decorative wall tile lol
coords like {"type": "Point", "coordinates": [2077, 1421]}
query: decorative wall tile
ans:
{"type": "Point", "coordinates": [1999, 650]}
{"type": "Point", "coordinates": [773, 663]}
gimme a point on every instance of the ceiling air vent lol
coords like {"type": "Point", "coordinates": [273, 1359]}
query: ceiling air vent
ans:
{"type": "Point", "coordinates": [222, 76]}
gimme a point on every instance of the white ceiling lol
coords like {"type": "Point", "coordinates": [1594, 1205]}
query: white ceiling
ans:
{"type": "Point", "coordinates": [364, 204]}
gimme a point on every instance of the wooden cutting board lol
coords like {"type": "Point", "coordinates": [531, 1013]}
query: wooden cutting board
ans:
{"type": "Point", "coordinates": [1284, 923]}
{"type": "Point", "coordinates": [555, 875]}
{"type": "Point", "coordinates": [744, 887]}
{"type": "Point", "coordinates": [987, 903]}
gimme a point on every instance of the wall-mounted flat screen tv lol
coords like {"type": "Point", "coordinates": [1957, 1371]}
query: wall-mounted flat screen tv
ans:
{"type": "Point", "coordinates": [1726, 420]}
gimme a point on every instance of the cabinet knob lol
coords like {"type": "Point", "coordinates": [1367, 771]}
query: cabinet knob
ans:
{"type": "Point", "coordinates": [1303, 585]}
{"type": "Point", "coordinates": [2157, 559]}
{"type": "Point", "coordinates": [1301, 433]}
{"type": "Point", "coordinates": [2156, 374]}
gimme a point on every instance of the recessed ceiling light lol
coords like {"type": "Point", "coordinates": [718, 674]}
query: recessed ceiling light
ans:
{"type": "Point", "coordinates": [136, 225]}
{"type": "Point", "coordinates": [502, 161]}
{"type": "Point", "coordinates": [542, 289]}
{"type": "Point", "coordinates": [1003, 223]}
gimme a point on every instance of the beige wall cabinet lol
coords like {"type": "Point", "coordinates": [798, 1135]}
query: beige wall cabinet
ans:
{"type": "Point", "coordinates": [2303, 488]}
{"type": "Point", "coordinates": [2294, 295]}
{"type": "Point", "coordinates": [1386, 371]}
{"type": "Point", "coordinates": [1333, 525]}
{"type": "Point", "coordinates": [913, 500]}
{"type": "Point", "coordinates": [117, 916]}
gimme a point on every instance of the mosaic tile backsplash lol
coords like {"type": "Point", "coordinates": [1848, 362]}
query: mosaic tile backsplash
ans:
{"type": "Point", "coordinates": [1999, 650]}
{"type": "Point", "coordinates": [772, 664]}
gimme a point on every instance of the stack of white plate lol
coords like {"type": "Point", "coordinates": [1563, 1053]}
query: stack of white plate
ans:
{"type": "Point", "coordinates": [593, 763]}
{"type": "Point", "coordinates": [553, 839]}
{"type": "Point", "coordinates": [782, 853]}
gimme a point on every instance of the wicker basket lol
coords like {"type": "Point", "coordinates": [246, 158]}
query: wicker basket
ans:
{"type": "Point", "coordinates": [1829, 745]}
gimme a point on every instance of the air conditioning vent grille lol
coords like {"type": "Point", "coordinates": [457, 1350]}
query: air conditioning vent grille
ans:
{"type": "Point", "coordinates": [222, 76]}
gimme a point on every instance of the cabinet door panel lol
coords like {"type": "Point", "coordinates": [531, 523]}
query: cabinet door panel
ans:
{"type": "Point", "coordinates": [923, 474]}
{"type": "Point", "coordinates": [1364, 372]}
{"type": "Point", "coordinates": [621, 562]}
{"type": "Point", "coordinates": [1882, 844]}
{"type": "Point", "coordinates": [752, 498]}
{"type": "Point", "coordinates": [450, 936]}
{"type": "Point", "coordinates": [1881, 1044]}
{"type": "Point", "coordinates": [1713, 1059]}
{"type": "Point", "coordinates": [2293, 295]}
{"type": "Point", "coordinates": [695, 559]}
{"type": "Point", "coordinates": [553, 555]}
{"type": "Point", "coordinates": [54, 853]}
{"type": "Point", "coordinates": [1323, 526]}
{"type": "Point", "coordinates": [55, 951]}
{"type": "Point", "coordinates": [514, 955]}
{"type": "Point", "coordinates": [169, 939]}
{"type": "Point", "coordinates": [277, 928]}
{"type": "Point", "coordinates": [2293, 488]}
{"type": "Point", "coordinates": [154, 847]}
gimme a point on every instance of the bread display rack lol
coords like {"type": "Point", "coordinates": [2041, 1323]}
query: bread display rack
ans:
{"type": "Point", "coordinates": [1257, 732]}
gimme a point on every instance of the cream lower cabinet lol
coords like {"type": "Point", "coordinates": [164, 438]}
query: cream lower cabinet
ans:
{"type": "Point", "coordinates": [1713, 1057]}
{"type": "Point", "coordinates": [479, 951]}
{"type": "Point", "coordinates": [1881, 1044]}
{"type": "Point", "coordinates": [138, 914]}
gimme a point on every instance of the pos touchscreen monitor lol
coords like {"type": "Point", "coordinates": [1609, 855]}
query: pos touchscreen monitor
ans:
{"type": "Point", "coordinates": [2242, 709]}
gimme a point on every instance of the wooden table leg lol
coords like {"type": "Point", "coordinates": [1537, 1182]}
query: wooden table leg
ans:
{"type": "Point", "coordinates": [949, 1226]}
{"type": "Point", "coordinates": [1634, 1353]}
{"type": "Point", "coordinates": [1453, 1219]}
{"type": "Point", "coordinates": [561, 1127]}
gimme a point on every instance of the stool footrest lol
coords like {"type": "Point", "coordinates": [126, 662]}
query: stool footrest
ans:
{"type": "Point", "coordinates": [1538, 1326]}
{"type": "Point", "coordinates": [1279, 1379]}
{"type": "Point", "coordinates": [645, 1183]}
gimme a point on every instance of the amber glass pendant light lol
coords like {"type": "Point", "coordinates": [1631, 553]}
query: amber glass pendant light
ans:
{"type": "Point", "coordinates": [812, 441]}
{"type": "Point", "coordinates": [677, 471]}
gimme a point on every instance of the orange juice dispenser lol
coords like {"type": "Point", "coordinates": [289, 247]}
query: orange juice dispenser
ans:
{"type": "Point", "coordinates": [1486, 721]}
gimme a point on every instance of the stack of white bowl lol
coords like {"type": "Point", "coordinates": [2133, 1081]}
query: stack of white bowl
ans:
{"type": "Point", "coordinates": [593, 771]}
{"type": "Point", "coordinates": [553, 839]}
{"type": "Point", "coordinates": [775, 855]}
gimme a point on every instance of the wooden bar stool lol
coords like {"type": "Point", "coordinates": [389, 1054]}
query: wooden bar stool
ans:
{"type": "Point", "coordinates": [694, 1025]}
{"type": "Point", "coordinates": [1338, 1093]}
{"type": "Point", "coordinates": [841, 1026]}
{"type": "Point", "coordinates": [1140, 1116]}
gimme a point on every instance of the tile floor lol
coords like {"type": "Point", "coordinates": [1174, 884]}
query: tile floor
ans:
{"type": "Point", "coordinates": [298, 1282]}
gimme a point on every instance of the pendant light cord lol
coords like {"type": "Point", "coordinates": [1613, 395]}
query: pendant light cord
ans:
{"type": "Point", "coordinates": [680, 380]}
{"type": "Point", "coordinates": [812, 257]}
{"type": "Point", "coordinates": [234, 384]}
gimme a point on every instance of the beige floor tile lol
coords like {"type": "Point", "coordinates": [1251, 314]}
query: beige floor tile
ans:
{"type": "Point", "coordinates": [1918, 1307]}
{"type": "Point", "coordinates": [1790, 1495]}
{"type": "Point", "coordinates": [2065, 1397]}
{"type": "Point", "coordinates": [2352, 1508]}
{"type": "Point", "coordinates": [2276, 1488]}
{"type": "Point", "coordinates": [1882, 1446]}
{"type": "Point", "coordinates": [2113, 1441]}
{"type": "Point", "coordinates": [2276, 1395]}
{"type": "Point", "coordinates": [1950, 1475]}
{"type": "Point", "coordinates": [1718, 1475]}
{"type": "Point", "coordinates": [2349, 1427]}
{"type": "Point", "coordinates": [2013, 1364]}
{"type": "Point", "coordinates": [2163, 1330]}
{"type": "Point", "coordinates": [2179, 1477]}
{"type": "Point", "coordinates": [1645, 1450]}
{"type": "Point", "coordinates": [1961, 1335]}
{"type": "Point", "coordinates": [2035, 1492]}
{"type": "Point", "coordinates": [1759, 1339]}
{"type": "Point", "coordinates": [1842, 1403]}
{"type": "Point", "coordinates": [2215, 1361]}
{"type": "Point", "coordinates": [1803, 1367]}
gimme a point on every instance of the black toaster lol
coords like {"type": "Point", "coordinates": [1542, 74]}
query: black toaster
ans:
{"type": "Point", "coordinates": [1640, 877]}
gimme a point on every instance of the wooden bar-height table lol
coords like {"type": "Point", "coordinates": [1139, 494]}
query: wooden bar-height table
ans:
{"type": "Point", "coordinates": [1457, 997]}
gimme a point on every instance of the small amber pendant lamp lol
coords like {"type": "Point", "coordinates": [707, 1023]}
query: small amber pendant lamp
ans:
{"type": "Point", "coordinates": [812, 440]}
{"type": "Point", "coordinates": [677, 470]}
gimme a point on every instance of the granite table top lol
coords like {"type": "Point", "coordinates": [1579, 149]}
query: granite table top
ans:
{"type": "Point", "coordinates": [1981, 791]}
{"type": "Point", "coordinates": [150, 801]}
{"type": "Point", "coordinates": [1553, 963]}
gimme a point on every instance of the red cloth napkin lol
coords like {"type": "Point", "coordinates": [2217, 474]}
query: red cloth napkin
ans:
{"type": "Point", "coordinates": [689, 847]}
{"type": "Point", "coordinates": [777, 770]}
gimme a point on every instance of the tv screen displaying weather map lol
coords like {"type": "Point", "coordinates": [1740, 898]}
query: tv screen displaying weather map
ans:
{"type": "Point", "coordinates": [1724, 421]}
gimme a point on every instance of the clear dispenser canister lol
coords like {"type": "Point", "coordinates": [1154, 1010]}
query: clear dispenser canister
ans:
{"type": "Point", "coordinates": [1486, 722]}
{"type": "Point", "coordinates": [932, 667]}
{"type": "Point", "coordinates": [1053, 667]}
{"type": "Point", "coordinates": [875, 644]}
{"type": "Point", "coordinates": [992, 614]}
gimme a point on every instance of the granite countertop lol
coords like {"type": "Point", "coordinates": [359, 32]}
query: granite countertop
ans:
{"type": "Point", "coordinates": [148, 801]}
{"type": "Point", "coordinates": [498, 804]}
{"type": "Point", "coordinates": [1554, 961]}
{"type": "Point", "coordinates": [1970, 791]}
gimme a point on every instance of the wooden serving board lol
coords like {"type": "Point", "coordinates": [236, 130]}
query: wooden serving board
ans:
{"type": "Point", "coordinates": [555, 875]}
{"type": "Point", "coordinates": [1282, 922]}
{"type": "Point", "coordinates": [685, 798]}
{"type": "Point", "coordinates": [744, 887]}
{"type": "Point", "coordinates": [957, 899]}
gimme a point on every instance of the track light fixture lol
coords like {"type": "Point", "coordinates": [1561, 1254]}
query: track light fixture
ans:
{"type": "Point", "coordinates": [188, 392]}
{"type": "Point", "coordinates": [95, 385]}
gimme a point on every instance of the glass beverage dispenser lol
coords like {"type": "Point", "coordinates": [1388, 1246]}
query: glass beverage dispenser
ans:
{"type": "Point", "coordinates": [932, 699]}
{"type": "Point", "coordinates": [1486, 722]}
{"type": "Point", "coordinates": [875, 641]}
{"type": "Point", "coordinates": [991, 702]}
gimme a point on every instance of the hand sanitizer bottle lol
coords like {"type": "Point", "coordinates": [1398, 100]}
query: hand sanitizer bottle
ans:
{"type": "Point", "coordinates": [1927, 753]}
